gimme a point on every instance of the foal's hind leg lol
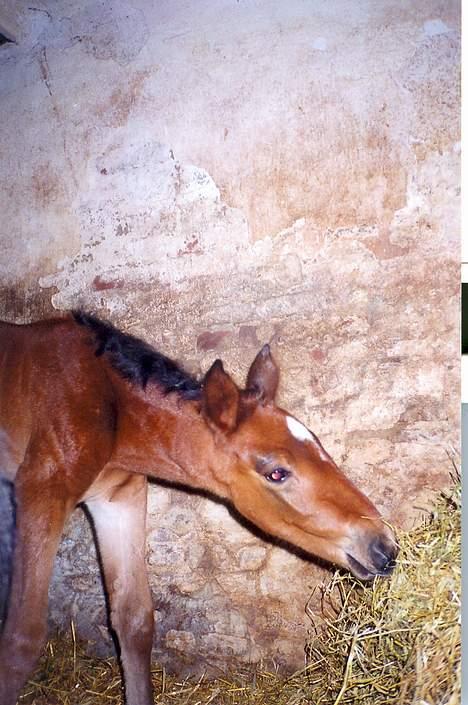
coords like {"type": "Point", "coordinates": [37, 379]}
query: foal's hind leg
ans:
{"type": "Point", "coordinates": [119, 516]}
{"type": "Point", "coordinates": [40, 517]}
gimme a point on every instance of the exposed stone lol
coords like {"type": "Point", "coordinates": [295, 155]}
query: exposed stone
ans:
{"type": "Point", "coordinates": [210, 340]}
{"type": "Point", "coordinates": [251, 557]}
{"type": "Point", "coordinates": [180, 641]}
{"type": "Point", "coordinates": [248, 336]}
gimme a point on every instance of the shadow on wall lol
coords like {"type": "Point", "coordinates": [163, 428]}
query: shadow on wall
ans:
{"type": "Point", "coordinates": [464, 364]}
{"type": "Point", "coordinates": [464, 318]}
{"type": "Point", "coordinates": [464, 435]}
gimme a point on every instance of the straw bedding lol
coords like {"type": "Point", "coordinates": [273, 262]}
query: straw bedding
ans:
{"type": "Point", "coordinates": [396, 641]}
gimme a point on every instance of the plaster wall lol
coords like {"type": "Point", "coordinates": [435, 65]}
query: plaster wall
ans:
{"type": "Point", "coordinates": [212, 175]}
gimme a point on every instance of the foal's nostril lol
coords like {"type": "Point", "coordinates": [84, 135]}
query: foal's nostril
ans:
{"type": "Point", "coordinates": [382, 555]}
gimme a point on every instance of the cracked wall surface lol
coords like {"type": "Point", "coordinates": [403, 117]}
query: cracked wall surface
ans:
{"type": "Point", "coordinates": [212, 175]}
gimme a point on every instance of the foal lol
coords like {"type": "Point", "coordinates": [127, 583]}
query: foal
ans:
{"type": "Point", "coordinates": [87, 413]}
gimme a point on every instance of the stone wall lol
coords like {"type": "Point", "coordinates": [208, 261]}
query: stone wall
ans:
{"type": "Point", "coordinates": [211, 175]}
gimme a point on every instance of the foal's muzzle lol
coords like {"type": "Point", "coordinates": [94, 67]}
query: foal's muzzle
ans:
{"type": "Point", "coordinates": [378, 559]}
{"type": "Point", "coordinates": [382, 556]}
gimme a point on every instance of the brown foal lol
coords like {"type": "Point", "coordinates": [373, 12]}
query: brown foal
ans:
{"type": "Point", "coordinates": [88, 413]}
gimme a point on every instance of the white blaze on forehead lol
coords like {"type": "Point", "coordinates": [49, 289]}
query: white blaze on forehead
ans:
{"type": "Point", "coordinates": [301, 433]}
{"type": "Point", "coordinates": [298, 430]}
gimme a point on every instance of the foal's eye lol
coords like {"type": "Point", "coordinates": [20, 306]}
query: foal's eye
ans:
{"type": "Point", "coordinates": [278, 475]}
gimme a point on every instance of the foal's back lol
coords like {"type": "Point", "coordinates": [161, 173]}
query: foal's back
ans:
{"type": "Point", "coordinates": [50, 383]}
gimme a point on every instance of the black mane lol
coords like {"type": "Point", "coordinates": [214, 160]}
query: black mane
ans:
{"type": "Point", "coordinates": [136, 360]}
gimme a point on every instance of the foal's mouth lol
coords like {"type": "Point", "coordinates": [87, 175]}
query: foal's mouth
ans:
{"type": "Point", "coordinates": [364, 573]}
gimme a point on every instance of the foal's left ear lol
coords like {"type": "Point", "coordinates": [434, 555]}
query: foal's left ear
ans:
{"type": "Point", "coordinates": [220, 398]}
{"type": "Point", "coordinates": [263, 375]}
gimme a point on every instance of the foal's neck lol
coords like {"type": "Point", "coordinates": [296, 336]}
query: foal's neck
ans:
{"type": "Point", "coordinates": [166, 437]}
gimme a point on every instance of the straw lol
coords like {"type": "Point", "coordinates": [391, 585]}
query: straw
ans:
{"type": "Point", "coordinates": [395, 642]}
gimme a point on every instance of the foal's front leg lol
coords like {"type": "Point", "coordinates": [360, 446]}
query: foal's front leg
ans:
{"type": "Point", "coordinates": [40, 515]}
{"type": "Point", "coordinates": [119, 516]}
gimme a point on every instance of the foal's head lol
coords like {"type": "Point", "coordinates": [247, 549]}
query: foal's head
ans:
{"type": "Point", "coordinates": [278, 475]}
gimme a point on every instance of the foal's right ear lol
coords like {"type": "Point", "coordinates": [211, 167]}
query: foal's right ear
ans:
{"type": "Point", "coordinates": [263, 377]}
{"type": "Point", "coordinates": [220, 398]}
